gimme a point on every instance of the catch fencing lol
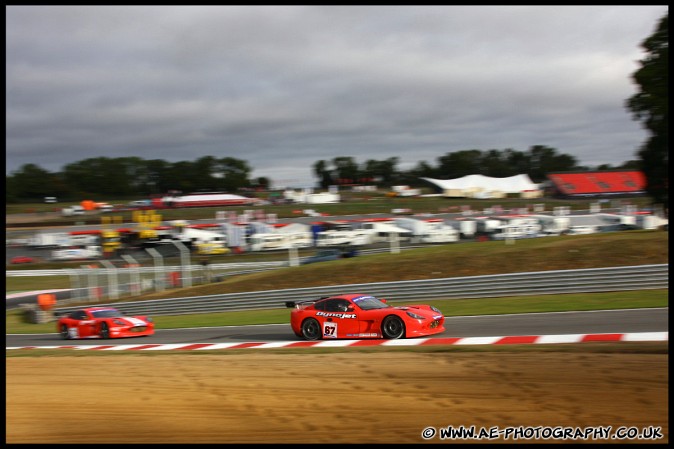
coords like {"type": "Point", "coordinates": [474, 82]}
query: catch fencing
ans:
{"type": "Point", "coordinates": [95, 283]}
{"type": "Point", "coordinates": [640, 277]}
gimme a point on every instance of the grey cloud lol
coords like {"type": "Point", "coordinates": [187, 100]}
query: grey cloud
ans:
{"type": "Point", "coordinates": [283, 86]}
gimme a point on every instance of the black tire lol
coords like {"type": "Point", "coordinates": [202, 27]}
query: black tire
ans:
{"type": "Point", "coordinates": [105, 331]}
{"type": "Point", "coordinates": [393, 327]}
{"type": "Point", "coordinates": [311, 329]}
{"type": "Point", "coordinates": [64, 332]}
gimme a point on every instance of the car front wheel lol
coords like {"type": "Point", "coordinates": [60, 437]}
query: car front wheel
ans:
{"type": "Point", "coordinates": [393, 327]}
{"type": "Point", "coordinates": [64, 332]}
{"type": "Point", "coordinates": [311, 329]}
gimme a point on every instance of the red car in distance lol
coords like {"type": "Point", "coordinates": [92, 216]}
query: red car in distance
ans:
{"type": "Point", "coordinates": [21, 259]}
{"type": "Point", "coordinates": [356, 316]}
{"type": "Point", "coordinates": [103, 322]}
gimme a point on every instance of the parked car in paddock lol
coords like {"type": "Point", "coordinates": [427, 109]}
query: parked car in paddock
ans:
{"type": "Point", "coordinates": [358, 316]}
{"type": "Point", "coordinates": [103, 322]}
{"type": "Point", "coordinates": [327, 254]}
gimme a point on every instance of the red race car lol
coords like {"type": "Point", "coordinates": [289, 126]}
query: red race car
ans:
{"type": "Point", "coordinates": [22, 259]}
{"type": "Point", "coordinates": [362, 316]}
{"type": "Point", "coordinates": [103, 322]}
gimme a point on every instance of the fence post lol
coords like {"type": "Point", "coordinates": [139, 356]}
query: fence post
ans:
{"type": "Point", "coordinates": [135, 274]}
{"type": "Point", "coordinates": [184, 262]}
{"type": "Point", "coordinates": [113, 284]}
{"type": "Point", "coordinates": [293, 260]}
{"type": "Point", "coordinates": [395, 244]}
{"type": "Point", "coordinates": [158, 269]}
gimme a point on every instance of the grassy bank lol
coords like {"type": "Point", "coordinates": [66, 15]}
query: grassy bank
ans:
{"type": "Point", "coordinates": [453, 260]}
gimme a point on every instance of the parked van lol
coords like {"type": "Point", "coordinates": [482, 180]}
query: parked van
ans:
{"type": "Point", "coordinates": [72, 210]}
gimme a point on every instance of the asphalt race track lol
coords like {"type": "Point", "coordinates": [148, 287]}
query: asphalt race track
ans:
{"type": "Point", "coordinates": [531, 324]}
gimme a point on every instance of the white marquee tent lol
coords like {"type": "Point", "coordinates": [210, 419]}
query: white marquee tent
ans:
{"type": "Point", "coordinates": [472, 184]}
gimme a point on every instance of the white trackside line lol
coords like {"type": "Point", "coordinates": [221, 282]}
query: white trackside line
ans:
{"type": "Point", "coordinates": [566, 338]}
{"type": "Point", "coordinates": [478, 341]}
{"type": "Point", "coordinates": [335, 343]}
{"type": "Point", "coordinates": [119, 347]}
{"type": "Point", "coordinates": [167, 346]}
{"type": "Point", "coordinates": [274, 344]}
{"type": "Point", "coordinates": [646, 336]}
{"type": "Point", "coordinates": [216, 346]}
{"type": "Point", "coordinates": [404, 342]}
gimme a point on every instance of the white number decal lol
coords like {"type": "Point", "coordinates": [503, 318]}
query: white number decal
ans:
{"type": "Point", "coordinates": [330, 330]}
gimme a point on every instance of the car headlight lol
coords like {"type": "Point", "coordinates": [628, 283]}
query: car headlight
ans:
{"type": "Point", "coordinates": [415, 316]}
{"type": "Point", "coordinates": [435, 309]}
{"type": "Point", "coordinates": [148, 319]}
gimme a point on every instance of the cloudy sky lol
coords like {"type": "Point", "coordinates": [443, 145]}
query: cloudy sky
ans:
{"type": "Point", "coordinates": [282, 87]}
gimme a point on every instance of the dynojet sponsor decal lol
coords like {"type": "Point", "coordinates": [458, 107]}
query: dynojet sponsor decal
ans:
{"type": "Point", "coordinates": [336, 314]}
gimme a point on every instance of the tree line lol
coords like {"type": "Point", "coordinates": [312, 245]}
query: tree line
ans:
{"type": "Point", "coordinates": [537, 162]}
{"type": "Point", "coordinates": [104, 177]}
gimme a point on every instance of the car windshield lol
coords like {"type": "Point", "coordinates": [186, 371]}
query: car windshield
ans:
{"type": "Point", "coordinates": [369, 303]}
{"type": "Point", "coordinates": [107, 313]}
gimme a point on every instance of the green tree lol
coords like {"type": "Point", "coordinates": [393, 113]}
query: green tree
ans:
{"type": "Point", "coordinates": [157, 172]}
{"type": "Point", "coordinates": [102, 176]}
{"type": "Point", "coordinates": [650, 106]}
{"type": "Point", "coordinates": [30, 182]}
{"type": "Point", "coordinates": [383, 172]}
{"type": "Point", "coordinates": [347, 169]}
{"type": "Point", "coordinates": [180, 177]}
{"type": "Point", "coordinates": [261, 183]}
{"type": "Point", "coordinates": [630, 165]}
{"type": "Point", "coordinates": [207, 175]}
{"type": "Point", "coordinates": [495, 164]}
{"type": "Point", "coordinates": [544, 160]}
{"type": "Point", "coordinates": [460, 164]}
{"type": "Point", "coordinates": [322, 172]}
{"type": "Point", "coordinates": [234, 173]}
{"type": "Point", "coordinates": [518, 161]}
{"type": "Point", "coordinates": [422, 170]}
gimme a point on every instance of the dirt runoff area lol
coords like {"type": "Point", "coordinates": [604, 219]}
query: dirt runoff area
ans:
{"type": "Point", "coordinates": [246, 396]}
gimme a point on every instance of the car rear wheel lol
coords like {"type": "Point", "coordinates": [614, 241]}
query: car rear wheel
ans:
{"type": "Point", "coordinates": [392, 327]}
{"type": "Point", "coordinates": [64, 332]}
{"type": "Point", "coordinates": [105, 332]}
{"type": "Point", "coordinates": [311, 329]}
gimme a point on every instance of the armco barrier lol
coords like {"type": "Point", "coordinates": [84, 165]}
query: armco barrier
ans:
{"type": "Point", "coordinates": [640, 277]}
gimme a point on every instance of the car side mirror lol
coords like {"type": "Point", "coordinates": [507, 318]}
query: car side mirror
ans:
{"type": "Point", "coordinates": [382, 300]}
{"type": "Point", "coordinates": [350, 308]}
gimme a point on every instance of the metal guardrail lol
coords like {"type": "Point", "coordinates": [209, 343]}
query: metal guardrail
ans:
{"type": "Point", "coordinates": [641, 277]}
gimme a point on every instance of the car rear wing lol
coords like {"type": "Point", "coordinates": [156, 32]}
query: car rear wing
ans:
{"type": "Point", "coordinates": [298, 304]}
{"type": "Point", "coordinates": [301, 304]}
